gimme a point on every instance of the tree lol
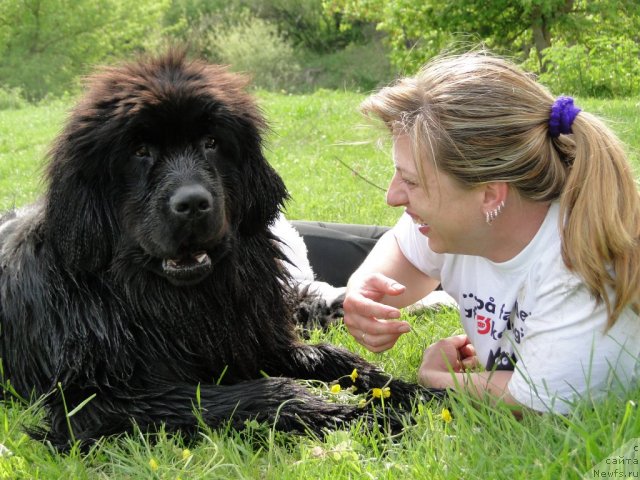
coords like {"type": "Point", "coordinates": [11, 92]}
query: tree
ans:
{"type": "Point", "coordinates": [47, 43]}
{"type": "Point", "coordinates": [537, 32]}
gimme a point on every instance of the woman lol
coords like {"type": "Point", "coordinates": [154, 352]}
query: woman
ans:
{"type": "Point", "coordinates": [526, 211]}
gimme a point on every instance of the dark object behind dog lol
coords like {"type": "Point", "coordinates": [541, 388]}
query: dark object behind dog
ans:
{"type": "Point", "coordinates": [148, 272]}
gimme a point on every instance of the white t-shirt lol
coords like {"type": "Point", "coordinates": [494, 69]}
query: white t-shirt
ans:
{"type": "Point", "coordinates": [532, 311]}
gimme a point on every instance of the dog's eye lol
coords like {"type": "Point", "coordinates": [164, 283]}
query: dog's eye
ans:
{"type": "Point", "coordinates": [142, 151]}
{"type": "Point", "coordinates": [210, 143]}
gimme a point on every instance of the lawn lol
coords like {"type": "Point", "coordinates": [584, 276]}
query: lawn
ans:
{"type": "Point", "coordinates": [331, 164]}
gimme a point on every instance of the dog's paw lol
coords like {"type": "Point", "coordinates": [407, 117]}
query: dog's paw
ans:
{"type": "Point", "coordinates": [404, 395]}
{"type": "Point", "coordinates": [314, 312]}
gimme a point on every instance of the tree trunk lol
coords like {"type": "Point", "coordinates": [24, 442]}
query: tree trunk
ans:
{"type": "Point", "coordinates": [541, 34]}
{"type": "Point", "coordinates": [541, 27]}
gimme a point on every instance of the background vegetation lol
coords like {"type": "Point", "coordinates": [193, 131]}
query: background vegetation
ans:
{"type": "Point", "coordinates": [580, 47]}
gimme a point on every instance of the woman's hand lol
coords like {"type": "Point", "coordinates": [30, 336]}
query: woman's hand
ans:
{"type": "Point", "coordinates": [440, 359]}
{"type": "Point", "coordinates": [444, 364]}
{"type": "Point", "coordinates": [370, 322]}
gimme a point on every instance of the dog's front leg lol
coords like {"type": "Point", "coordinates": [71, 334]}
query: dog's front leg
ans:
{"type": "Point", "coordinates": [329, 363]}
{"type": "Point", "coordinates": [280, 402]}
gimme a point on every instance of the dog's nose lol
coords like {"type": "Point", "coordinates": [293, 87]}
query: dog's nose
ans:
{"type": "Point", "coordinates": [190, 201]}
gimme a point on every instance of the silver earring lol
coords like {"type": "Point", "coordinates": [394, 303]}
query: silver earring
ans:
{"type": "Point", "coordinates": [493, 214]}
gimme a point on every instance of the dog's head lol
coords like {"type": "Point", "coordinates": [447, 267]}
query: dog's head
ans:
{"type": "Point", "coordinates": [162, 158]}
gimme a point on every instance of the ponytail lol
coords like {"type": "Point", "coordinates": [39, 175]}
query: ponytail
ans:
{"type": "Point", "coordinates": [600, 205]}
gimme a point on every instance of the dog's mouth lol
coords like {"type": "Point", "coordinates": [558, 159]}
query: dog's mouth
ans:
{"type": "Point", "coordinates": [187, 267]}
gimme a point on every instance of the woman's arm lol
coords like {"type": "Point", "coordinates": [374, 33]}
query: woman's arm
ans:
{"type": "Point", "coordinates": [444, 364]}
{"type": "Point", "coordinates": [384, 282]}
{"type": "Point", "coordinates": [387, 259]}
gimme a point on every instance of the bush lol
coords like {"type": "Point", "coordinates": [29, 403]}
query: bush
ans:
{"type": "Point", "coordinates": [603, 67]}
{"type": "Point", "coordinates": [253, 45]}
{"type": "Point", "coordinates": [11, 98]}
{"type": "Point", "coordinates": [359, 68]}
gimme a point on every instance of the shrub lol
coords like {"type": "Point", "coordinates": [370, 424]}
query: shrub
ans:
{"type": "Point", "coordinates": [11, 98]}
{"type": "Point", "coordinates": [602, 67]}
{"type": "Point", "coordinates": [253, 45]}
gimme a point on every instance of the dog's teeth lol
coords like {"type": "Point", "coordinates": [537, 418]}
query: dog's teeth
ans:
{"type": "Point", "coordinates": [201, 258]}
{"type": "Point", "coordinates": [172, 263]}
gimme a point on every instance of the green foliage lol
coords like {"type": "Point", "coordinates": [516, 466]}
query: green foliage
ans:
{"type": "Point", "coordinates": [602, 67]}
{"type": "Point", "coordinates": [554, 37]}
{"type": "Point", "coordinates": [253, 45]}
{"type": "Point", "coordinates": [358, 68]}
{"type": "Point", "coordinates": [306, 24]}
{"type": "Point", "coordinates": [192, 22]}
{"type": "Point", "coordinates": [11, 98]}
{"type": "Point", "coordinates": [46, 44]}
{"type": "Point", "coordinates": [286, 44]}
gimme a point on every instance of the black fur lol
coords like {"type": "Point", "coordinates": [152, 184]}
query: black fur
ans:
{"type": "Point", "coordinates": [100, 288]}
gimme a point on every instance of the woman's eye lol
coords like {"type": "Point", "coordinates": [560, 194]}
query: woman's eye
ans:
{"type": "Point", "coordinates": [409, 183]}
{"type": "Point", "coordinates": [210, 143]}
{"type": "Point", "coordinates": [142, 152]}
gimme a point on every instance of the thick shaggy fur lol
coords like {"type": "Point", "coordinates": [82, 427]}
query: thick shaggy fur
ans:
{"type": "Point", "coordinates": [147, 273]}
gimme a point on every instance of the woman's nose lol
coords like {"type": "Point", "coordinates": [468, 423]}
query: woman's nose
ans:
{"type": "Point", "coordinates": [396, 195]}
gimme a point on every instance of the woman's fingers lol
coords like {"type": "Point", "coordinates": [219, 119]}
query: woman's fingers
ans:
{"type": "Point", "coordinates": [358, 304]}
{"type": "Point", "coordinates": [373, 324]}
{"type": "Point", "coordinates": [470, 362]}
{"type": "Point", "coordinates": [378, 283]}
{"type": "Point", "coordinates": [377, 342]}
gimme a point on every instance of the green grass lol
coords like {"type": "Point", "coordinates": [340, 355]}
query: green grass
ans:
{"type": "Point", "coordinates": [309, 134]}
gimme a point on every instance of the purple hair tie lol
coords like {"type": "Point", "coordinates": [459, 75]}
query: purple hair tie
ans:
{"type": "Point", "coordinates": [563, 113]}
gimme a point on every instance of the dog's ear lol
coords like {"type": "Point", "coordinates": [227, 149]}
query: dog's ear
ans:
{"type": "Point", "coordinates": [266, 194]}
{"type": "Point", "coordinates": [79, 221]}
{"type": "Point", "coordinates": [264, 190]}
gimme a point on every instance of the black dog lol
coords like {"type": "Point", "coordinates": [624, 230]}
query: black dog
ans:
{"type": "Point", "coordinates": [147, 282]}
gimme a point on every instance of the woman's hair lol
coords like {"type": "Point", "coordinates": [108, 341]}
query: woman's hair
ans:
{"type": "Point", "coordinates": [481, 119]}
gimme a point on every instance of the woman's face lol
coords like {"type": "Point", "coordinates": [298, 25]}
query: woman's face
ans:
{"type": "Point", "coordinates": [449, 215]}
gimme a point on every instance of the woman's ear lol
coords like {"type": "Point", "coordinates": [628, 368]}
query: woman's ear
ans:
{"type": "Point", "coordinates": [494, 199]}
{"type": "Point", "coordinates": [495, 193]}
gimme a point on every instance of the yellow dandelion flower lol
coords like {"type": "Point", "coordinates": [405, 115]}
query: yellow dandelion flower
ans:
{"type": "Point", "coordinates": [186, 453]}
{"type": "Point", "coordinates": [381, 392]}
{"type": "Point", "coordinates": [153, 464]}
{"type": "Point", "coordinates": [446, 415]}
{"type": "Point", "coordinates": [336, 388]}
{"type": "Point", "coordinates": [362, 403]}
{"type": "Point", "coordinates": [354, 375]}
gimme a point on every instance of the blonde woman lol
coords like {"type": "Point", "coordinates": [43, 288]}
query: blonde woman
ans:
{"type": "Point", "coordinates": [525, 209]}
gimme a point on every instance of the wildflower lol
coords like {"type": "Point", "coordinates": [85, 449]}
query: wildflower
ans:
{"type": "Point", "coordinates": [362, 403]}
{"type": "Point", "coordinates": [446, 415]}
{"type": "Point", "coordinates": [186, 453]}
{"type": "Point", "coordinates": [336, 388]}
{"type": "Point", "coordinates": [153, 464]}
{"type": "Point", "coordinates": [354, 375]}
{"type": "Point", "coordinates": [381, 392]}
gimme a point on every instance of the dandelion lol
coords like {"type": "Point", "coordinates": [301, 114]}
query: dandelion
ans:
{"type": "Point", "coordinates": [153, 464]}
{"type": "Point", "coordinates": [362, 403]}
{"type": "Point", "coordinates": [446, 415]}
{"type": "Point", "coordinates": [336, 388]}
{"type": "Point", "coordinates": [354, 375]}
{"type": "Point", "coordinates": [186, 453]}
{"type": "Point", "coordinates": [381, 392]}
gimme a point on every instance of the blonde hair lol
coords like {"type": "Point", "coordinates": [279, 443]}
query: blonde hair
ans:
{"type": "Point", "coordinates": [482, 119]}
